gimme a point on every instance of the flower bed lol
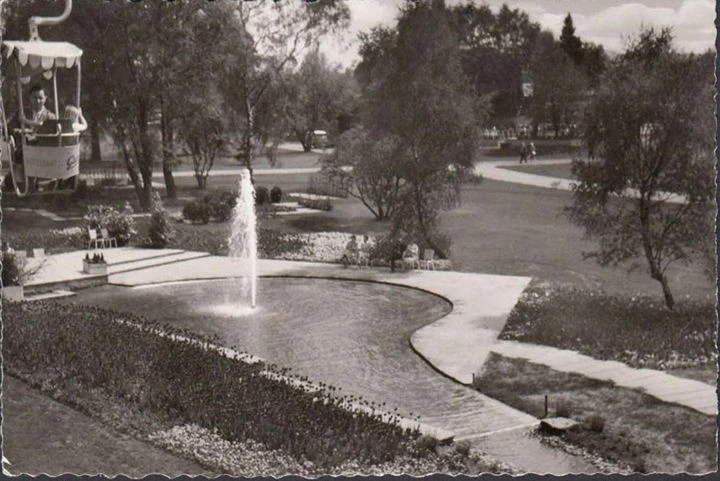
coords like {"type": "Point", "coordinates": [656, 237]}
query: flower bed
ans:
{"type": "Point", "coordinates": [182, 379]}
{"type": "Point", "coordinates": [639, 331]}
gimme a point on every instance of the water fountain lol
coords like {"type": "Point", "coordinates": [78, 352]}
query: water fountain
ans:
{"type": "Point", "coordinates": [242, 244]}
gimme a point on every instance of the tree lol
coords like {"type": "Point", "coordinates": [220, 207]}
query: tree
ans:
{"type": "Point", "coordinates": [495, 48]}
{"type": "Point", "coordinates": [419, 96]}
{"type": "Point", "coordinates": [570, 43]}
{"type": "Point", "coordinates": [272, 36]}
{"type": "Point", "coordinates": [649, 190]}
{"type": "Point", "coordinates": [371, 176]}
{"type": "Point", "coordinates": [203, 130]}
{"type": "Point", "coordinates": [559, 85]}
{"type": "Point", "coordinates": [317, 95]}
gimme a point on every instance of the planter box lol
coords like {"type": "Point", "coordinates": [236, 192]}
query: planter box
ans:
{"type": "Point", "coordinates": [94, 268]}
{"type": "Point", "coordinates": [13, 293]}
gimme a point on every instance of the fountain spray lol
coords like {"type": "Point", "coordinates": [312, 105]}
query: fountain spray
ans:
{"type": "Point", "coordinates": [242, 244]}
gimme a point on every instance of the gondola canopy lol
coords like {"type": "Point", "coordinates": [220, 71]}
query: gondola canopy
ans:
{"type": "Point", "coordinates": [38, 56]}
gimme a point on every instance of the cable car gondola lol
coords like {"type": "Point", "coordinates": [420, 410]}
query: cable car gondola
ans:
{"type": "Point", "coordinates": [50, 151]}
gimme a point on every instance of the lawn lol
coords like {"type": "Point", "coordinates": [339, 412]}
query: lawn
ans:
{"type": "Point", "coordinates": [562, 171]}
{"type": "Point", "coordinates": [638, 432]}
{"type": "Point", "coordinates": [500, 228]}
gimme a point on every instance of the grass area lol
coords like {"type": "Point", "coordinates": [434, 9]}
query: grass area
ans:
{"type": "Point", "coordinates": [639, 431]}
{"type": "Point", "coordinates": [639, 331]}
{"type": "Point", "coordinates": [500, 228]}
{"type": "Point", "coordinates": [562, 171]}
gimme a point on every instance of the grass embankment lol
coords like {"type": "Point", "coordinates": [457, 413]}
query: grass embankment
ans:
{"type": "Point", "coordinates": [621, 425]}
{"type": "Point", "coordinates": [175, 392]}
{"type": "Point", "coordinates": [618, 424]}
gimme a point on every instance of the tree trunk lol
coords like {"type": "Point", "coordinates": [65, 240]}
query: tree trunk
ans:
{"type": "Point", "coordinates": [95, 152]}
{"type": "Point", "coordinates": [167, 149]}
{"type": "Point", "coordinates": [669, 300]}
{"type": "Point", "coordinates": [170, 187]}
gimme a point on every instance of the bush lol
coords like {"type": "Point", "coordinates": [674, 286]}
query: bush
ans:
{"type": "Point", "coordinates": [12, 269]}
{"type": "Point", "coordinates": [426, 445]}
{"type": "Point", "coordinates": [119, 223]}
{"type": "Point", "coordinates": [319, 204]}
{"type": "Point", "coordinates": [272, 244]}
{"type": "Point", "coordinates": [221, 204]}
{"type": "Point", "coordinates": [595, 423]}
{"type": "Point", "coordinates": [320, 185]}
{"type": "Point", "coordinates": [261, 195]}
{"type": "Point", "coordinates": [197, 211]}
{"type": "Point", "coordinates": [161, 226]}
{"type": "Point", "coordinates": [275, 194]}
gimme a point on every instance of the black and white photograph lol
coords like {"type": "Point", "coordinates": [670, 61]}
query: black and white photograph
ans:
{"type": "Point", "coordinates": [267, 238]}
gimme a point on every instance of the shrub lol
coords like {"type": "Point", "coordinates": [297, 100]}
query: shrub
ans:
{"type": "Point", "coordinates": [161, 226]}
{"type": "Point", "coordinates": [221, 204]}
{"type": "Point", "coordinates": [197, 211]}
{"type": "Point", "coordinates": [275, 194]}
{"type": "Point", "coordinates": [322, 203]}
{"type": "Point", "coordinates": [119, 223]}
{"type": "Point", "coordinates": [273, 244]}
{"type": "Point", "coordinates": [595, 423]}
{"type": "Point", "coordinates": [12, 269]}
{"type": "Point", "coordinates": [463, 448]}
{"type": "Point", "coordinates": [319, 184]}
{"type": "Point", "coordinates": [426, 444]}
{"type": "Point", "coordinates": [261, 195]}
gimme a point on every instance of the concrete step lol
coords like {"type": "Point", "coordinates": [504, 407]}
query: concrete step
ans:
{"type": "Point", "coordinates": [49, 295]}
{"type": "Point", "coordinates": [145, 263]}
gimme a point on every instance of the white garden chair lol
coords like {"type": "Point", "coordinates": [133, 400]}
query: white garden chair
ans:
{"type": "Point", "coordinates": [106, 237]}
{"type": "Point", "coordinates": [428, 260]}
{"type": "Point", "coordinates": [94, 239]}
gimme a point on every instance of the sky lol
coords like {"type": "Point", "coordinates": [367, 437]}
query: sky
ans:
{"type": "Point", "coordinates": [606, 22]}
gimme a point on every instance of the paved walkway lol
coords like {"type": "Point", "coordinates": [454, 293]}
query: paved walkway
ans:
{"type": "Point", "coordinates": [494, 169]}
{"type": "Point", "coordinates": [696, 395]}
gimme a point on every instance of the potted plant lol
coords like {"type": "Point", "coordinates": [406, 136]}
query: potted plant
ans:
{"type": "Point", "coordinates": [13, 276]}
{"type": "Point", "coordinates": [95, 264]}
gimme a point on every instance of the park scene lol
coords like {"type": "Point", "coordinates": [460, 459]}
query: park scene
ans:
{"type": "Point", "coordinates": [270, 238]}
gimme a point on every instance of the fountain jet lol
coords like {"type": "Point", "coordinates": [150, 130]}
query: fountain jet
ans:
{"type": "Point", "coordinates": [242, 243]}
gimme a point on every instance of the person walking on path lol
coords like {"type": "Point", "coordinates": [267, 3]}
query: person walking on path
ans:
{"type": "Point", "coordinates": [523, 153]}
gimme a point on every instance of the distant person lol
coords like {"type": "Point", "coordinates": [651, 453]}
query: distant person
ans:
{"type": "Point", "coordinates": [411, 255]}
{"type": "Point", "coordinates": [533, 152]}
{"type": "Point", "coordinates": [523, 153]}
{"type": "Point", "coordinates": [366, 249]}
{"type": "Point", "coordinates": [350, 256]}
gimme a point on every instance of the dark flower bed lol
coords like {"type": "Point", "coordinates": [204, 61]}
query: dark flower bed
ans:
{"type": "Point", "coordinates": [186, 381]}
{"type": "Point", "coordinates": [639, 331]}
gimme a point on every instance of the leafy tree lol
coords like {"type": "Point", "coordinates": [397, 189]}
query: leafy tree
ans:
{"type": "Point", "coordinates": [419, 97]}
{"type": "Point", "coordinates": [494, 50]}
{"type": "Point", "coordinates": [648, 191]}
{"type": "Point", "coordinates": [203, 131]}
{"type": "Point", "coordinates": [318, 94]}
{"type": "Point", "coordinates": [372, 177]}
{"type": "Point", "coordinates": [559, 84]}
{"type": "Point", "coordinates": [271, 35]}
